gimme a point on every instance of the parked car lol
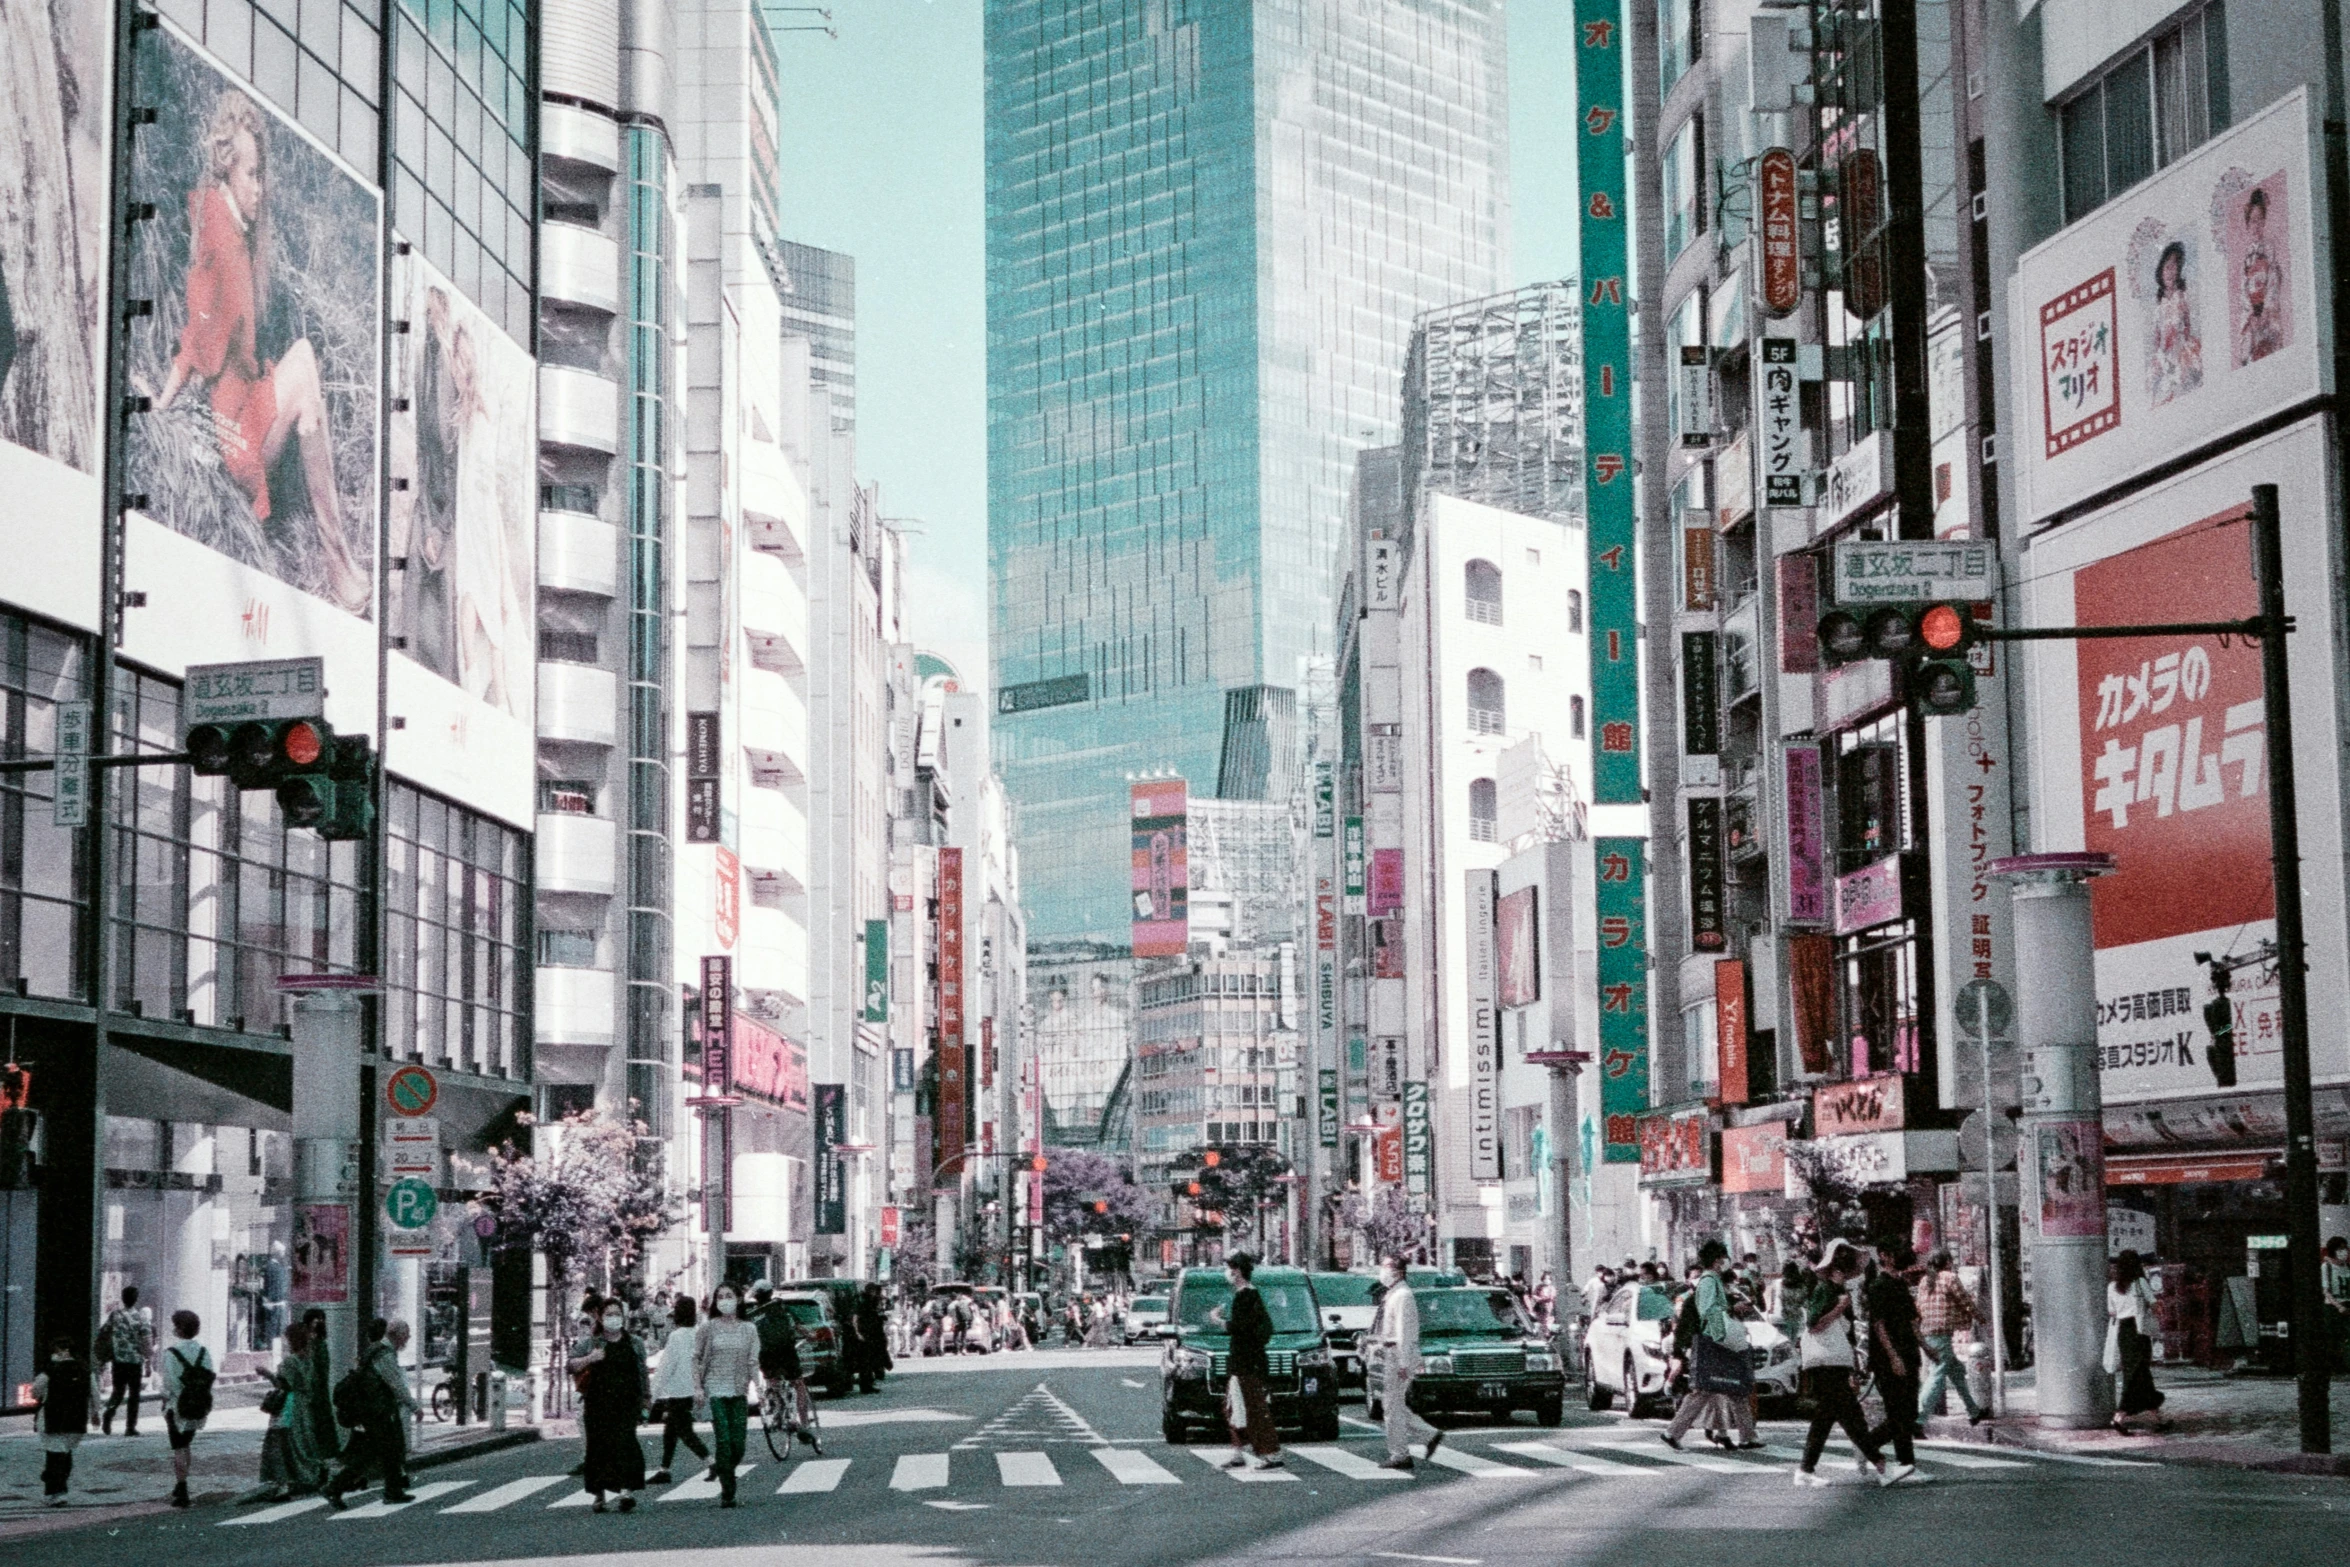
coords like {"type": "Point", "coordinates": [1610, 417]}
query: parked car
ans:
{"type": "Point", "coordinates": [843, 1295]}
{"type": "Point", "coordinates": [1480, 1353]}
{"type": "Point", "coordinates": [1349, 1303]}
{"type": "Point", "coordinates": [821, 1360]}
{"type": "Point", "coordinates": [1146, 1317]}
{"type": "Point", "coordinates": [1194, 1362]}
{"type": "Point", "coordinates": [1628, 1345]}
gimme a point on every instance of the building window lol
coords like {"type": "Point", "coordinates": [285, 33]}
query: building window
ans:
{"type": "Point", "coordinates": [1488, 703]}
{"type": "Point", "coordinates": [1575, 716]}
{"type": "Point", "coordinates": [568, 647]}
{"type": "Point", "coordinates": [579, 498]}
{"type": "Point", "coordinates": [456, 895]}
{"type": "Point", "coordinates": [1483, 810]}
{"type": "Point", "coordinates": [2155, 106]}
{"type": "Point", "coordinates": [567, 796]}
{"type": "Point", "coordinates": [43, 883]}
{"type": "Point", "coordinates": [1684, 187]}
{"type": "Point", "coordinates": [1574, 612]}
{"type": "Point", "coordinates": [567, 949]}
{"type": "Point", "coordinates": [1680, 40]}
{"type": "Point", "coordinates": [1483, 582]}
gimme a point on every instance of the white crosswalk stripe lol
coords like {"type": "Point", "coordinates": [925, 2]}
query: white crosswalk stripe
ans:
{"type": "Point", "coordinates": [1345, 1461]}
{"type": "Point", "coordinates": [1451, 1457]}
{"type": "Point", "coordinates": [1666, 1455]}
{"type": "Point", "coordinates": [1133, 1468]}
{"type": "Point", "coordinates": [277, 1514]}
{"type": "Point", "coordinates": [703, 1489]}
{"type": "Point", "coordinates": [1026, 1469]}
{"type": "Point", "coordinates": [506, 1495]}
{"type": "Point", "coordinates": [919, 1472]}
{"type": "Point", "coordinates": [1217, 1458]}
{"type": "Point", "coordinates": [417, 1495]}
{"type": "Point", "coordinates": [1581, 1462]}
{"type": "Point", "coordinates": [813, 1477]}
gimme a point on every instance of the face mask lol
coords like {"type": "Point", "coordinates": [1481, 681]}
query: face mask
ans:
{"type": "Point", "coordinates": [612, 1323]}
{"type": "Point", "coordinates": [726, 1305]}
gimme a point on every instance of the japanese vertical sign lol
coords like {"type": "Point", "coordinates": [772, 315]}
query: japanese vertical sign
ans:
{"type": "Point", "coordinates": [1730, 1030]}
{"type": "Point", "coordinates": [876, 971]}
{"type": "Point", "coordinates": [1622, 907]}
{"type": "Point", "coordinates": [1354, 865]}
{"type": "Point", "coordinates": [952, 1071]}
{"type": "Point", "coordinates": [1162, 874]}
{"type": "Point", "coordinates": [1609, 512]}
{"type": "Point", "coordinates": [1778, 424]}
{"type": "Point", "coordinates": [832, 1183]}
{"type": "Point", "coordinates": [1484, 1040]}
{"type": "Point", "coordinates": [1708, 922]}
{"type": "Point", "coordinates": [717, 1022]}
{"type": "Point", "coordinates": [1804, 821]}
{"type": "Point", "coordinates": [1419, 1147]}
{"type": "Point", "coordinates": [1780, 255]}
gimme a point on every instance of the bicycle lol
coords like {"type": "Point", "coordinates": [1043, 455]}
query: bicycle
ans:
{"type": "Point", "coordinates": [444, 1399]}
{"type": "Point", "coordinates": [779, 1420]}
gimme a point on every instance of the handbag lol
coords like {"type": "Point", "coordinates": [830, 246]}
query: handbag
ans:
{"type": "Point", "coordinates": [2113, 1345]}
{"type": "Point", "coordinates": [273, 1402]}
{"type": "Point", "coordinates": [1717, 1368]}
{"type": "Point", "coordinates": [1736, 1337]}
{"type": "Point", "coordinates": [1828, 1346]}
{"type": "Point", "coordinates": [1235, 1405]}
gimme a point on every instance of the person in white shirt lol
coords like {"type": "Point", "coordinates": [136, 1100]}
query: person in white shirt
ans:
{"type": "Point", "coordinates": [187, 1397]}
{"type": "Point", "coordinates": [673, 1389]}
{"type": "Point", "coordinates": [1395, 1337]}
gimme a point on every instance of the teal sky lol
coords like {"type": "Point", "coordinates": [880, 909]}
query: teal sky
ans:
{"type": "Point", "coordinates": [882, 150]}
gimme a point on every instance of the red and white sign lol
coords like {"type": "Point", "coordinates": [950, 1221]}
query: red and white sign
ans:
{"type": "Point", "coordinates": [1730, 1029]}
{"type": "Point", "coordinates": [889, 1225]}
{"type": "Point", "coordinates": [1869, 896]}
{"type": "Point", "coordinates": [1873, 1104]}
{"type": "Point", "coordinates": [2181, 311]}
{"type": "Point", "coordinates": [412, 1090]}
{"type": "Point", "coordinates": [1754, 1158]}
{"type": "Point", "coordinates": [1390, 1142]}
{"type": "Point", "coordinates": [726, 915]}
{"type": "Point", "coordinates": [1779, 233]}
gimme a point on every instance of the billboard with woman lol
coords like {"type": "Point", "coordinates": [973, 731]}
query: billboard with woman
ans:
{"type": "Point", "coordinates": [261, 360]}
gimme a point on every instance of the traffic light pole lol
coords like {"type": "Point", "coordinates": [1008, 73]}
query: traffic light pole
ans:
{"type": "Point", "coordinates": [2269, 628]}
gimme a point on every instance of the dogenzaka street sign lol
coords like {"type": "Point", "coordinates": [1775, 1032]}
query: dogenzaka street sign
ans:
{"type": "Point", "coordinates": [1913, 571]}
{"type": "Point", "coordinates": [268, 689]}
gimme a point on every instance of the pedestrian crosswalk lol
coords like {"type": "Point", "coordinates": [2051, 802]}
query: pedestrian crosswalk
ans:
{"type": "Point", "coordinates": [1615, 1453]}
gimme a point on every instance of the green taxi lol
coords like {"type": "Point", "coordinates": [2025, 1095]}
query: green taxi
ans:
{"type": "Point", "coordinates": [1193, 1357]}
{"type": "Point", "coordinates": [1479, 1354]}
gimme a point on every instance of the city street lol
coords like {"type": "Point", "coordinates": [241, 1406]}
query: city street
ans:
{"type": "Point", "coordinates": [1055, 1458]}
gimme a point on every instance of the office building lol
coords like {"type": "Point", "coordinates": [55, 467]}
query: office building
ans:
{"type": "Point", "coordinates": [1209, 229]}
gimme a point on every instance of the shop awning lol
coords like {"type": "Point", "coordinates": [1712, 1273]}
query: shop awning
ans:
{"type": "Point", "coordinates": [2178, 1169]}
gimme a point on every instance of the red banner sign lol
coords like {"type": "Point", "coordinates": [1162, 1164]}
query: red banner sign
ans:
{"type": "Point", "coordinates": [1730, 1028]}
{"type": "Point", "coordinates": [1779, 231]}
{"type": "Point", "coordinates": [1872, 1105]}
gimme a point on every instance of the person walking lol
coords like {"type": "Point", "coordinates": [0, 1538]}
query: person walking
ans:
{"type": "Point", "coordinates": [187, 1397]}
{"type": "Point", "coordinates": [375, 1402]}
{"type": "Point", "coordinates": [726, 1358]}
{"type": "Point", "coordinates": [1251, 1328]}
{"type": "Point", "coordinates": [2129, 1342]}
{"type": "Point", "coordinates": [1895, 1355]}
{"type": "Point", "coordinates": [673, 1389]}
{"type": "Point", "coordinates": [128, 1337]}
{"type": "Point", "coordinates": [613, 1393]}
{"type": "Point", "coordinates": [1944, 1307]}
{"type": "Point", "coordinates": [872, 1339]}
{"type": "Point", "coordinates": [2333, 1282]}
{"type": "Point", "coordinates": [1720, 1378]}
{"type": "Point", "coordinates": [1395, 1339]}
{"type": "Point", "coordinates": [61, 1398]}
{"type": "Point", "coordinates": [326, 1439]}
{"type": "Point", "coordinates": [1546, 1306]}
{"type": "Point", "coordinates": [290, 1463]}
{"type": "Point", "coordinates": [1828, 1361]}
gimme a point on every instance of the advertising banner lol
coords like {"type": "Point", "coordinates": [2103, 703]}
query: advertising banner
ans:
{"type": "Point", "coordinates": [463, 436]}
{"type": "Point", "coordinates": [1353, 863]}
{"type": "Point", "coordinates": [1608, 481]}
{"type": "Point", "coordinates": [262, 355]}
{"type": "Point", "coordinates": [2066, 1162]}
{"type": "Point", "coordinates": [952, 1073]}
{"type": "Point", "coordinates": [876, 971]}
{"type": "Point", "coordinates": [1754, 1158]}
{"type": "Point", "coordinates": [1328, 1105]}
{"type": "Point", "coordinates": [1779, 252]}
{"type": "Point", "coordinates": [1782, 451]}
{"type": "Point", "coordinates": [1419, 1145]}
{"type": "Point", "coordinates": [1697, 566]}
{"type": "Point", "coordinates": [320, 1263]}
{"type": "Point", "coordinates": [2154, 750]}
{"type": "Point", "coordinates": [56, 65]}
{"type": "Point", "coordinates": [1517, 937]}
{"type": "Point", "coordinates": [717, 1020]}
{"type": "Point", "coordinates": [769, 1065]}
{"type": "Point", "coordinates": [1386, 885]}
{"type": "Point", "coordinates": [832, 1185]}
{"type": "Point", "coordinates": [1162, 927]}
{"type": "Point", "coordinates": [1871, 1104]}
{"type": "Point", "coordinates": [1701, 695]}
{"type": "Point", "coordinates": [1621, 900]}
{"type": "Point", "coordinates": [1484, 1037]}
{"type": "Point", "coordinates": [1730, 1029]}
{"type": "Point", "coordinates": [2184, 309]}
{"type": "Point", "coordinates": [1676, 1148]}
{"type": "Point", "coordinates": [1869, 896]}
{"type": "Point", "coordinates": [1806, 832]}
{"type": "Point", "coordinates": [1709, 926]}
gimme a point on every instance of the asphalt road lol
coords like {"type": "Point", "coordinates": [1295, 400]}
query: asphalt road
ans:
{"type": "Point", "coordinates": [1054, 1459]}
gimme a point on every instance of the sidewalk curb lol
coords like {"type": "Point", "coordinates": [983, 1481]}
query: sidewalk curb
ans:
{"type": "Point", "coordinates": [2206, 1455]}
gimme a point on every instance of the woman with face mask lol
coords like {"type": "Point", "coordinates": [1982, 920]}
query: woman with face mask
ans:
{"type": "Point", "coordinates": [726, 1357]}
{"type": "Point", "coordinates": [613, 1393]}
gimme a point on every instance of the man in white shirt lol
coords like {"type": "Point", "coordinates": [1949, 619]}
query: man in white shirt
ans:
{"type": "Point", "coordinates": [1396, 1339]}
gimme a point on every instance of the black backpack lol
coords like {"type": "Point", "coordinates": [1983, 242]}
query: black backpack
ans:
{"type": "Point", "coordinates": [195, 1400]}
{"type": "Point", "coordinates": [359, 1397]}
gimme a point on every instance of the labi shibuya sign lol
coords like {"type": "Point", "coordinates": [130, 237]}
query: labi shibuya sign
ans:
{"type": "Point", "coordinates": [2174, 315]}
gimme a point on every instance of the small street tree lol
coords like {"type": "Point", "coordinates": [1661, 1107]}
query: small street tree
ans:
{"type": "Point", "coordinates": [1240, 1181]}
{"type": "Point", "coordinates": [1385, 1222]}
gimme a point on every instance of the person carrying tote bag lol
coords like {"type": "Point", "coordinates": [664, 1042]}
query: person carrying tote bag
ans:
{"type": "Point", "coordinates": [1721, 1380]}
{"type": "Point", "coordinates": [1828, 1360]}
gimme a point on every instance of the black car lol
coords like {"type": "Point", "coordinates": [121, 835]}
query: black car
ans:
{"type": "Point", "coordinates": [1478, 1353]}
{"type": "Point", "coordinates": [843, 1295]}
{"type": "Point", "coordinates": [1193, 1365]}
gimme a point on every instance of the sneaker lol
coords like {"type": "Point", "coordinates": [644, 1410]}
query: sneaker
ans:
{"type": "Point", "coordinates": [1275, 1462]}
{"type": "Point", "coordinates": [399, 1496]}
{"type": "Point", "coordinates": [728, 1501]}
{"type": "Point", "coordinates": [1894, 1474]}
{"type": "Point", "coordinates": [658, 1477]}
{"type": "Point", "coordinates": [1916, 1476]}
{"type": "Point", "coordinates": [1435, 1441]}
{"type": "Point", "coordinates": [179, 1497]}
{"type": "Point", "coordinates": [1978, 1417]}
{"type": "Point", "coordinates": [1237, 1461]}
{"type": "Point", "coordinates": [334, 1499]}
{"type": "Point", "coordinates": [1749, 1447]}
{"type": "Point", "coordinates": [1404, 1463]}
{"type": "Point", "coordinates": [1805, 1479]}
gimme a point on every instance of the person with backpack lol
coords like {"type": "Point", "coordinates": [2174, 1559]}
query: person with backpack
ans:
{"type": "Point", "coordinates": [373, 1399]}
{"type": "Point", "coordinates": [128, 1338]}
{"type": "Point", "coordinates": [187, 1397]}
{"type": "Point", "coordinates": [1721, 1379]}
{"type": "Point", "coordinates": [779, 1352]}
{"type": "Point", "coordinates": [61, 1394]}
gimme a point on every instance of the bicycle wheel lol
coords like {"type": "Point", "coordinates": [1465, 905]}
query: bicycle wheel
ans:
{"type": "Point", "coordinates": [775, 1426]}
{"type": "Point", "coordinates": [444, 1404]}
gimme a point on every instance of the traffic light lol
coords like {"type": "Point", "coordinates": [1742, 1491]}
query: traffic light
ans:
{"type": "Point", "coordinates": [1929, 640]}
{"type": "Point", "coordinates": [260, 755]}
{"type": "Point", "coordinates": [353, 814]}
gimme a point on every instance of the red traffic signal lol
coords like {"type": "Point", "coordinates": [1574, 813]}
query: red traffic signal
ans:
{"type": "Point", "coordinates": [1943, 628]}
{"type": "Point", "coordinates": [1211, 1158]}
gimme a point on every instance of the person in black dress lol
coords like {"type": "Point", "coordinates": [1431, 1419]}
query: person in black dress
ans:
{"type": "Point", "coordinates": [614, 1391]}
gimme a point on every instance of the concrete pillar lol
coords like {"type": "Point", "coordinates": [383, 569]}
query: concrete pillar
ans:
{"type": "Point", "coordinates": [2062, 1158]}
{"type": "Point", "coordinates": [327, 1113]}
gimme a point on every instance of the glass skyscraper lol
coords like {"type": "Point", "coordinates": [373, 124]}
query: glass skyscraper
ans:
{"type": "Point", "coordinates": [1209, 226]}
